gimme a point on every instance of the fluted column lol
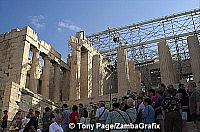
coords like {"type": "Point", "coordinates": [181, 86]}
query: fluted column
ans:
{"type": "Point", "coordinates": [84, 74]}
{"type": "Point", "coordinates": [194, 50]}
{"type": "Point", "coordinates": [33, 70]}
{"type": "Point", "coordinates": [167, 70]}
{"type": "Point", "coordinates": [66, 85]}
{"type": "Point", "coordinates": [75, 70]}
{"type": "Point", "coordinates": [45, 77]}
{"type": "Point", "coordinates": [56, 91]}
{"type": "Point", "coordinates": [96, 72]}
{"type": "Point", "coordinates": [134, 77]}
{"type": "Point", "coordinates": [122, 71]}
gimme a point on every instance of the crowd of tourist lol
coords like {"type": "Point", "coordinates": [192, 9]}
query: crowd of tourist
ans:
{"type": "Point", "coordinates": [167, 106]}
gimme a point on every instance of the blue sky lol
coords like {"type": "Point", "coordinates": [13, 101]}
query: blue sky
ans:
{"type": "Point", "coordinates": [56, 20]}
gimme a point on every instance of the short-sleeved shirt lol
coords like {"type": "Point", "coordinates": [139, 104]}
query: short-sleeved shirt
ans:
{"type": "Point", "coordinates": [132, 114]}
{"type": "Point", "coordinates": [46, 121]}
{"type": "Point", "coordinates": [141, 107]}
{"type": "Point", "coordinates": [85, 120]}
{"type": "Point", "coordinates": [100, 111]}
{"type": "Point", "coordinates": [65, 118]}
{"type": "Point", "coordinates": [193, 99]}
{"type": "Point", "coordinates": [149, 114]}
{"type": "Point", "coordinates": [54, 127]}
{"type": "Point", "coordinates": [33, 122]}
{"type": "Point", "coordinates": [115, 117]}
{"type": "Point", "coordinates": [72, 117]}
{"type": "Point", "coordinates": [171, 104]}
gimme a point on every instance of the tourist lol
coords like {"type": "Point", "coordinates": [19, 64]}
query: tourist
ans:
{"type": "Point", "coordinates": [17, 121]}
{"type": "Point", "coordinates": [139, 107]}
{"type": "Point", "coordinates": [162, 88]}
{"type": "Point", "coordinates": [131, 111]}
{"type": "Point", "coordinates": [74, 117]}
{"type": "Point", "coordinates": [32, 125]}
{"type": "Point", "coordinates": [80, 108]}
{"type": "Point", "coordinates": [158, 111]}
{"type": "Point", "coordinates": [172, 112]}
{"type": "Point", "coordinates": [124, 105]}
{"type": "Point", "coordinates": [56, 125]}
{"type": "Point", "coordinates": [65, 117]}
{"type": "Point", "coordinates": [93, 114]}
{"type": "Point", "coordinates": [24, 123]}
{"type": "Point", "coordinates": [101, 113]}
{"type": "Point", "coordinates": [4, 121]}
{"type": "Point", "coordinates": [148, 113]}
{"type": "Point", "coordinates": [117, 116]}
{"type": "Point", "coordinates": [194, 105]}
{"type": "Point", "coordinates": [184, 98]}
{"type": "Point", "coordinates": [89, 108]}
{"type": "Point", "coordinates": [30, 113]}
{"type": "Point", "coordinates": [152, 95]}
{"type": "Point", "coordinates": [47, 119]}
{"type": "Point", "coordinates": [85, 119]}
{"type": "Point", "coordinates": [190, 88]}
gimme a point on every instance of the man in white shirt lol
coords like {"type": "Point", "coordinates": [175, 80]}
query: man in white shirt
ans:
{"type": "Point", "coordinates": [56, 126]}
{"type": "Point", "coordinates": [131, 111]}
{"type": "Point", "coordinates": [101, 113]}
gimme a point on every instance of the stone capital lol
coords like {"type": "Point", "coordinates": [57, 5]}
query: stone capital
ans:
{"type": "Point", "coordinates": [35, 50]}
{"type": "Point", "coordinates": [56, 65]}
{"type": "Point", "coordinates": [46, 58]}
{"type": "Point", "coordinates": [74, 43]}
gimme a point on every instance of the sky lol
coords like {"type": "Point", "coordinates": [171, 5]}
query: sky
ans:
{"type": "Point", "coordinates": [56, 20]}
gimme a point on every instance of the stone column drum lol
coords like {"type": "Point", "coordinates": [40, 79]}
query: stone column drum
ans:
{"type": "Point", "coordinates": [194, 50]}
{"type": "Point", "coordinates": [56, 91]}
{"type": "Point", "coordinates": [33, 70]}
{"type": "Point", "coordinates": [96, 69]}
{"type": "Point", "coordinates": [75, 70]}
{"type": "Point", "coordinates": [122, 71]}
{"type": "Point", "coordinates": [167, 71]}
{"type": "Point", "coordinates": [45, 77]}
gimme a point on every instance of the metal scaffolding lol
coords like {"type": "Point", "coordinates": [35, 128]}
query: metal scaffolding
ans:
{"type": "Point", "coordinates": [141, 39]}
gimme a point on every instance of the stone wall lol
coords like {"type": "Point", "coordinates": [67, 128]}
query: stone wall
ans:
{"type": "Point", "coordinates": [26, 81]}
{"type": "Point", "coordinates": [16, 97]}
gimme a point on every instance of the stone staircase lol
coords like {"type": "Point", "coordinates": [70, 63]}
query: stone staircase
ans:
{"type": "Point", "coordinates": [191, 127]}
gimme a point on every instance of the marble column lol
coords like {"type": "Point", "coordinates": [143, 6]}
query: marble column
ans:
{"type": "Point", "coordinates": [75, 70]}
{"type": "Point", "coordinates": [33, 70]}
{"type": "Point", "coordinates": [66, 85]}
{"type": "Point", "coordinates": [45, 77]}
{"type": "Point", "coordinates": [96, 72]}
{"type": "Point", "coordinates": [194, 51]}
{"type": "Point", "coordinates": [134, 77]}
{"type": "Point", "coordinates": [167, 70]}
{"type": "Point", "coordinates": [25, 61]}
{"type": "Point", "coordinates": [56, 91]}
{"type": "Point", "coordinates": [122, 71]}
{"type": "Point", "coordinates": [84, 75]}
